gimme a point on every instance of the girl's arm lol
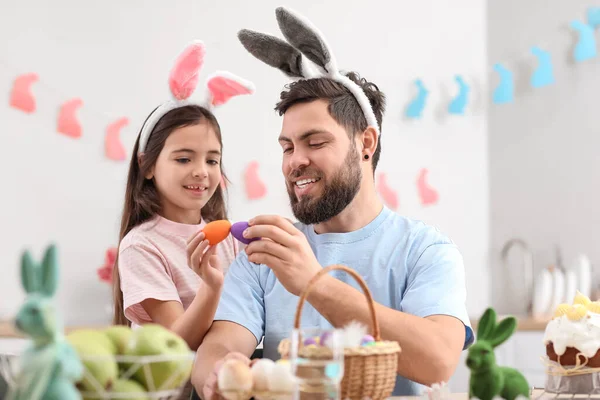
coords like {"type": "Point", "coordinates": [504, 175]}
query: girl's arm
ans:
{"type": "Point", "coordinates": [193, 323]}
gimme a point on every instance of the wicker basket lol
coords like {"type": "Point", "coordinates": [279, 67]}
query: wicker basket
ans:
{"type": "Point", "coordinates": [369, 371]}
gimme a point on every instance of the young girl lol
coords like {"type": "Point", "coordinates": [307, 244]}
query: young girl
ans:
{"type": "Point", "coordinates": [164, 272]}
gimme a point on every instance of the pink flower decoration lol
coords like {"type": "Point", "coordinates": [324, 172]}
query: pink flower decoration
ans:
{"type": "Point", "coordinates": [105, 272]}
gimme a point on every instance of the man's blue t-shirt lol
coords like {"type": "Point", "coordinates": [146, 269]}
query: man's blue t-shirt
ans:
{"type": "Point", "coordinates": [407, 265]}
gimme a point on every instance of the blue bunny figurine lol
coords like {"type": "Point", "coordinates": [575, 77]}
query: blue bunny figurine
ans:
{"type": "Point", "coordinates": [49, 368]}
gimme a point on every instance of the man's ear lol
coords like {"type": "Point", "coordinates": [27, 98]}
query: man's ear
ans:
{"type": "Point", "coordinates": [369, 141]}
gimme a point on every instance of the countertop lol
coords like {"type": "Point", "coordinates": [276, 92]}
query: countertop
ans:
{"type": "Point", "coordinates": [524, 323]}
{"type": "Point", "coordinates": [7, 330]}
{"type": "Point", "coordinates": [536, 394]}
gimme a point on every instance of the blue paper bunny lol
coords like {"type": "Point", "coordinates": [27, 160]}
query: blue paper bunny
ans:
{"type": "Point", "coordinates": [49, 367]}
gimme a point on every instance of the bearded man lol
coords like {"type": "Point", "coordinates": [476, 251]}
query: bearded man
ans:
{"type": "Point", "coordinates": [415, 273]}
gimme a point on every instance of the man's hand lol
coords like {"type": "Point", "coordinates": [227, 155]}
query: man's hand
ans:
{"type": "Point", "coordinates": [209, 391]}
{"type": "Point", "coordinates": [284, 249]}
{"type": "Point", "coordinates": [205, 263]}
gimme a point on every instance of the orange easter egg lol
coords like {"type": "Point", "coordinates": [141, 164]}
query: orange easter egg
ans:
{"type": "Point", "coordinates": [217, 231]}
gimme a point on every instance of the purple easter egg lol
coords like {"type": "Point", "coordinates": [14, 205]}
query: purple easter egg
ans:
{"type": "Point", "coordinates": [367, 339]}
{"type": "Point", "coordinates": [237, 231]}
{"type": "Point", "coordinates": [310, 341]}
{"type": "Point", "coordinates": [325, 339]}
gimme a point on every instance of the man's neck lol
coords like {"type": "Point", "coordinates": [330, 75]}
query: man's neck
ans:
{"type": "Point", "coordinates": [365, 207]}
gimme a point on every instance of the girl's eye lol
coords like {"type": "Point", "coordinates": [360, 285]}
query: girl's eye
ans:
{"type": "Point", "coordinates": [183, 160]}
{"type": "Point", "coordinates": [287, 150]}
{"type": "Point", "coordinates": [213, 162]}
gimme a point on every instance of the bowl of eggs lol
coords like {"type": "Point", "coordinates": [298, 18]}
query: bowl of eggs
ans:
{"type": "Point", "coordinates": [264, 379]}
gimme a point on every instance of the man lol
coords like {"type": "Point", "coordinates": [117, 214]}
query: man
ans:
{"type": "Point", "coordinates": [415, 273]}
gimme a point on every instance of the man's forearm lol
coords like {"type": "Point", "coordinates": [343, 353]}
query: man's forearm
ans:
{"type": "Point", "coordinates": [223, 339]}
{"type": "Point", "coordinates": [207, 357]}
{"type": "Point", "coordinates": [427, 356]}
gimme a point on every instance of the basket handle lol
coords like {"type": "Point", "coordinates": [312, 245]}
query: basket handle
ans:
{"type": "Point", "coordinates": [361, 282]}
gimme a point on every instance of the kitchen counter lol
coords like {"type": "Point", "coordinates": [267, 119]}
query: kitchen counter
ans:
{"type": "Point", "coordinates": [524, 323]}
{"type": "Point", "coordinates": [7, 329]}
{"type": "Point", "coordinates": [535, 395]}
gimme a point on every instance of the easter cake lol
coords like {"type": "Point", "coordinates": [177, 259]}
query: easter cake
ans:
{"type": "Point", "coordinates": [572, 340]}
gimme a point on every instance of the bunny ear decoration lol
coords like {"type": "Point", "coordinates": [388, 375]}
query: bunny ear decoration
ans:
{"type": "Point", "coordinates": [303, 38]}
{"type": "Point", "coordinates": [29, 274]}
{"type": "Point", "coordinates": [487, 323]}
{"type": "Point", "coordinates": [184, 75]}
{"type": "Point", "coordinates": [503, 331]}
{"type": "Point", "coordinates": [49, 273]}
{"type": "Point", "coordinates": [276, 53]}
{"type": "Point", "coordinates": [40, 279]}
{"type": "Point", "coordinates": [183, 80]}
{"type": "Point", "coordinates": [222, 86]}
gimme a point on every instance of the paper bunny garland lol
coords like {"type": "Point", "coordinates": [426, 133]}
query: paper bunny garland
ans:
{"type": "Point", "coordinates": [183, 80]}
{"type": "Point", "coordinates": [302, 39]}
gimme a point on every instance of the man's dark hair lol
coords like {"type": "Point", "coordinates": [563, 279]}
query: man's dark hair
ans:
{"type": "Point", "coordinates": [343, 106]}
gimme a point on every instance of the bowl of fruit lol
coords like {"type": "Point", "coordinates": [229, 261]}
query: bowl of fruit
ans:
{"type": "Point", "coordinates": [149, 362]}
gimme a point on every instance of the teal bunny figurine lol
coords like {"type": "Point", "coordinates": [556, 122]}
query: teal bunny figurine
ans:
{"type": "Point", "coordinates": [488, 379]}
{"type": "Point", "coordinates": [49, 367]}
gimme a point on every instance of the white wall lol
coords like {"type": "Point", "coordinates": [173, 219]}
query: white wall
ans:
{"type": "Point", "coordinates": [116, 56]}
{"type": "Point", "coordinates": [544, 165]}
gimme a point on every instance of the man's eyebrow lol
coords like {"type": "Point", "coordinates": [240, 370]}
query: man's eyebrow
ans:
{"type": "Point", "coordinates": [304, 136]}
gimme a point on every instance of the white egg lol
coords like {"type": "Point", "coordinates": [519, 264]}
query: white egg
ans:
{"type": "Point", "coordinates": [282, 379]}
{"type": "Point", "coordinates": [261, 370]}
{"type": "Point", "coordinates": [234, 375]}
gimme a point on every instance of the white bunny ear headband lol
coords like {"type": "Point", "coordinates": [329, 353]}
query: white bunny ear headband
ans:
{"type": "Point", "coordinates": [220, 87]}
{"type": "Point", "coordinates": [302, 39]}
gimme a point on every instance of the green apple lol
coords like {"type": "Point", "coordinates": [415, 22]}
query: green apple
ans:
{"type": "Point", "coordinates": [125, 389]}
{"type": "Point", "coordinates": [155, 340]}
{"type": "Point", "coordinates": [119, 335]}
{"type": "Point", "coordinates": [97, 353]}
{"type": "Point", "coordinates": [132, 388]}
{"type": "Point", "coordinates": [92, 335]}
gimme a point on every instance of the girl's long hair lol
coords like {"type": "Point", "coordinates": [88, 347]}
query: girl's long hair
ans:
{"type": "Point", "coordinates": [141, 197]}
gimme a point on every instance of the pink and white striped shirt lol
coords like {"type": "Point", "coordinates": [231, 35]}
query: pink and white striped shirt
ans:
{"type": "Point", "coordinates": [153, 264]}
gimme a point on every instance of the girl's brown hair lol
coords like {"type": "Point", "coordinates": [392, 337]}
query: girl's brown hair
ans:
{"type": "Point", "coordinates": [141, 198]}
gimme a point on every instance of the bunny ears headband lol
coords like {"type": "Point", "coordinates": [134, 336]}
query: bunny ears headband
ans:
{"type": "Point", "coordinates": [220, 87]}
{"type": "Point", "coordinates": [302, 39]}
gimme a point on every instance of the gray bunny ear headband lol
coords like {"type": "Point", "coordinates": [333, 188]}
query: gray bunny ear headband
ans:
{"type": "Point", "coordinates": [304, 42]}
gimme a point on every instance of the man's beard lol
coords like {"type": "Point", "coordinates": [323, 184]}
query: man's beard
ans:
{"type": "Point", "coordinates": [336, 194]}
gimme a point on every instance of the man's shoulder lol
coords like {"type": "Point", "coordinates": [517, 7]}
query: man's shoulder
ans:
{"type": "Point", "coordinates": [398, 230]}
{"type": "Point", "coordinates": [414, 231]}
{"type": "Point", "coordinates": [300, 226]}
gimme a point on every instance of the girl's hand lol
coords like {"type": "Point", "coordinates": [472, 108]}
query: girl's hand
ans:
{"type": "Point", "coordinates": [204, 263]}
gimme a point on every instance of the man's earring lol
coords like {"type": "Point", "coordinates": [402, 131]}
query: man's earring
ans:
{"type": "Point", "coordinates": [366, 156]}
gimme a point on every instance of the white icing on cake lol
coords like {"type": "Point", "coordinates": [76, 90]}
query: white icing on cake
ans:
{"type": "Point", "coordinates": [584, 335]}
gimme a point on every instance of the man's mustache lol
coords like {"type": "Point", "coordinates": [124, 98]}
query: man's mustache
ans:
{"type": "Point", "coordinates": [297, 173]}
